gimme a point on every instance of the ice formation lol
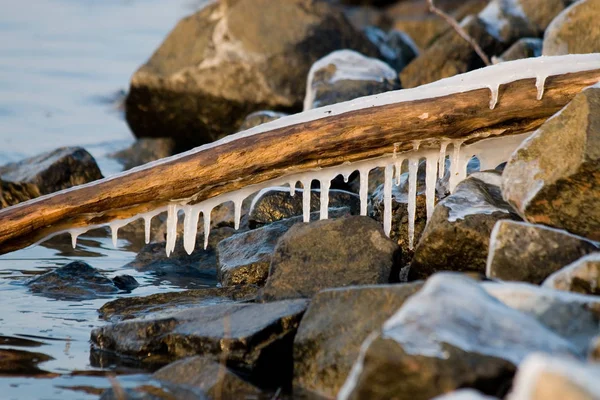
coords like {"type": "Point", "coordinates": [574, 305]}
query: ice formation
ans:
{"type": "Point", "coordinates": [491, 152]}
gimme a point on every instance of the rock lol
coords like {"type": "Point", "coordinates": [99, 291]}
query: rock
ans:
{"type": "Point", "coordinates": [464, 394]}
{"type": "Point", "coordinates": [581, 276]}
{"type": "Point", "coordinates": [125, 282]}
{"type": "Point", "coordinates": [457, 236]}
{"type": "Point", "coordinates": [145, 150]}
{"type": "Point", "coordinates": [260, 117]}
{"type": "Point", "coordinates": [574, 317]}
{"type": "Point", "coordinates": [74, 281]}
{"type": "Point", "coordinates": [345, 75]}
{"type": "Point", "coordinates": [327, 254]}
{"type": "Point", "coordinates": [55, 170]}
{"type": "Point", "coordinates": [554, 177]}
{"type": "Point", "coordinates": [594, 353]}
{"type": "Point", "coordinates": [530, 253]}
{"type": "Point", "coordinates": [224, 62]}
{"type": "Point", "coordinates": [274, 204]}
{"type": "Point", "coordinates": [12, 193]}
{"type": "Point", "coordinates": [363, 16]}
{"type": "Point", "coordinates": [449, 335]}
{"type": "Point", "coordinates": [538, 13]}
{"type": "Point", "coordinates": [543, 377]}
{"type": "Point", "coordinates": [375, 3]}
{"type": "Point", "coordinates": [253, 338]}
{"type": "Point", "coordinates": [523, 48]}
{"type": "Point", "coordinates": [575, 30]}
{"type": "Point", "coordinates": [181, 269]}
{"type": "Point", "coordinates": [396, 47]}
{"type": "Point", "coordinates": [214, 379]}
{"type": "Point", "coordinates": [15, 362]}
{"type": "Point", "coordinates": [333, 329]}
{"type": "Point", "coordinates": [154, 391]}
{"type": "Point", "coordinates": [160, 304]}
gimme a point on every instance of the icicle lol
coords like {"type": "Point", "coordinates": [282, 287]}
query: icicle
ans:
{"type": "Point", "coordinates": [387, 199]}
{"type": "Point", "coordinates": [206, 216]}
{"type": "Point", "coordinates": [364, 189]}
{"type": "Point", "coordinates": [171, 228]}
{"type": "Point", "coordinates": [237, 211]}
{"type": "Point", "coordinates": [114, 232]}
{"type": "Point", "coordinates": [75, 234]}
{"type": "Point", "coordinates": [430, 181]}
{"type": "Point", "coordinates": [147, 226]}
{"type": "Point", "coordinates": [292, 189]}
{"type": "Point", "coordinates": [324, 211]}
{"type": "Point", "coordinates": [442, 160]}
{"type": "Point", "coordinates": [306, 199]}
{"type": "Point", "coordinates": [398, 169]}
{"type": "Point", "coordinates": [413, 167]}
{"type": "Point", "coordinates": [190, 227]}
{"type": "Point", "coordinates": [494, 95]}
{"type": "Point", "coordinates": [540, 82]}
{"type": "Point", "coordinates": [455, 166]}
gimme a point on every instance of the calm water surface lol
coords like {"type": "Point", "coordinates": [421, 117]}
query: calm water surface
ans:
{"type": "Point", "coordinates": [64, 66]}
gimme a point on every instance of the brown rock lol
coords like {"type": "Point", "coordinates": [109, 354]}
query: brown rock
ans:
{"type": "Point", "coordinates": [574, 31]}
{"type": "Point", "coordinates": [12, 193]}
{"type": "Point", "coordinates": [581, 276]}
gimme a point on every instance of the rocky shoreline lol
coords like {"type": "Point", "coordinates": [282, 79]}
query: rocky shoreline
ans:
{"type": "Point", "coordinates": [496, 299]}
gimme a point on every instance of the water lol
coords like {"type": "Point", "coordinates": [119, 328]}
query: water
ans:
{"type": "Point", "coordinates": [64, 66]}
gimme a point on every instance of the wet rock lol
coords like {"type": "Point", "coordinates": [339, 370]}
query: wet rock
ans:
{"type": "Point", "coordinates": [160, 304]}
{"type": "Point", "coordinates": [523, 48]}
{"type": "Point", "coordinates": [224, 62]}
{"type": "Point", "coordinates": [154, 391]}
{"type": "Point", "coordinates": [530, 253]}
{"type": "Point", "coordinates": [581, 276]}
{"type": "Point", "coordinates": [543, 377]}
{"type": "Point", "coordinates": [449, 335]}
{"type": "Point", "coordinates": [74, 281]}
{"type": "Point", "coordinates": [464, 394]}
{"type": "Point", "coordinates": [458, 234]}
{"type": "Point", "coordinates": [179, 268]}
{"type": "Point", "coordinates": [55, 170]}
{"type": "Point", "coordinates": [554, 176]}
{"type": "Point", "coordinates": [327, 254]}
{"type": "Point", "coordinates": [333, 329]}
{"type": "Point", "coordinates": [575, 30]}
{"type": "Point", "coordinates": [12, 193]}
{"type": "Point", "coordinates": [345, 75]}
{"type": "Point", "coordinates": [259, 118]}
{"type": "Point", "coordinates": [145, 150]}
{"type": "Point", "coordinates": [214, 379]}
{"type": "Point", "coordinates": [253, 338]}
{"type": "Point", "coordinates": [397, 48]}
{"type": "Point", "coordinates": [125, 282]}
{"type": "Point", "coordinates": [275, 204]}
{"type": "Point", "coordinates": [21, 362]}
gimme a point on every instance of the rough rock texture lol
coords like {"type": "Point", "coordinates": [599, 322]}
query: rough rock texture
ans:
{"type": "Point", "coordinates": [575, 30]}
{"type": "Point", "coordinates": [214, 379]}
{"type": "Point", "coordinates": [232, 58]}
{"type": "Point", "coordinates": [327, 254]}
{"type": "Point", "coordinates": [554, 176]}
{"type": "Point", "coordinates": [276, 203]}
{"type": "Point", "coordinates": [530, 253]}
{"type": "Point", "coordinates": [523, 48]}
{"type": "Point", "coordinates": [449, 335]}
{"type": "Point", "coordinates": [12, 193]}
{"type": "Point", "coordinates": [581, 276]}
{"type": "Point", "coordinates": [333, 329]}
{"type": "Point", "coordinates": [543, 377]}
{"type": "Point", "coordinates": [396, 47]}
{"type": "Point", "coordinates": [145, 150]}
{"type": "Point", "coordinates": [55, 170]}
{"type": "Point", "coordinates": [75, 281]}
{"type": "Point", "coordinates": [166, 303]}
{"type": "Point", "coordinates": [345, 75]}
{"type": "Point", "coordinates": [457, 236]}
{"type": "Point", "coordinates": [254, 338]}
{"type": "Point", "coordinates": [259, 118]}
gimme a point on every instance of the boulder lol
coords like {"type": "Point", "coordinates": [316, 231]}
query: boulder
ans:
{"type": "Point", "coordinates": [581, 276]}
{"type": "Point", "coordinates": [327, 254]}
{"type": "Point", "coordinates": [145, 150]}
{"type": "Point", "coordinates": [345, 75]}
{"type": "Point", "coordinates": [333, 329]}
{"type": "Point", "coordinates": [523, 48]}
{"type": "Point", "coordinates": [396, 47]}
{"type": "Point", "coordinates": [575, 30]}
{"type": "Point", "coordinates": [253, 338]}
{"type": "Point", "coordinates": [232, 58]}
{"type": "Point", "coordinates": [530, 253]}
{"type": "Point", "coordinates": [260, 117]}
{"type": "Point", "coordinates": [457, 236]}
{"type": "Point", "coordinates": [55, 170]}
{"type": "Point", "coordinates": [554, 177]}
{"type": "Point", "coordinates": [449, 335]}
{"type": "Point", "coordinates": [12, 193]}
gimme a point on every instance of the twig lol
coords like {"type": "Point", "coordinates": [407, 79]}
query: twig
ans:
{"type": "Point", "coordinates": [454, 24]}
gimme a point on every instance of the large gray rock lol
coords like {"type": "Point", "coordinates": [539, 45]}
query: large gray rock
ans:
{"type": "Point", "coordinates": [327, 254]}
{"type": "Point", "coordinates": [449, 335]}
{"type": "Point", "coordinates": [333, 329]}
{"type": "Point", "coordinates": [232, 58]}
{"type": "Point", "coordinates": [530, 253]}
{"type": "Point", "coordinates": [575, 30]}
{"type": "Point", "coordinates": [554, 177]}
{"type": "Point", "coordinates": [254, 338]}
{"type": "Point", "coordinates": [55, 170]}
{"type": "Point", "coordinates": [581, 276]}
{"type": "Point", "coordinates": [457, 236]}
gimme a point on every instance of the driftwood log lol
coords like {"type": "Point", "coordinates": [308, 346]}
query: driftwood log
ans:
{"type": "Point", "coordinates": [351, 136]}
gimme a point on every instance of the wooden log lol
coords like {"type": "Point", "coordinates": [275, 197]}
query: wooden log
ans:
{"type": "Point", "coordinates": [350, 136]}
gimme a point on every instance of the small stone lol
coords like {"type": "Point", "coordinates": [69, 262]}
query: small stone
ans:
{"type": "Point", "coordinates": [530, 253]}
{"type": "Point", "coordinates": [581, 276]}
{"type": "Point", "coordinates": [125, 282]}
{"type": "Point", "coordinates": [523, 48]}
{"type": "Point", "coordinates": [575, 30]}
{"type": "Point", "coordinates": [145, 150]}
{"type": "Point", "coordinates": [260, 117]}
{"type": "Point", "coordinates": [397, 48]}
{"type": "Point", "coordinates": [327, 254]}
